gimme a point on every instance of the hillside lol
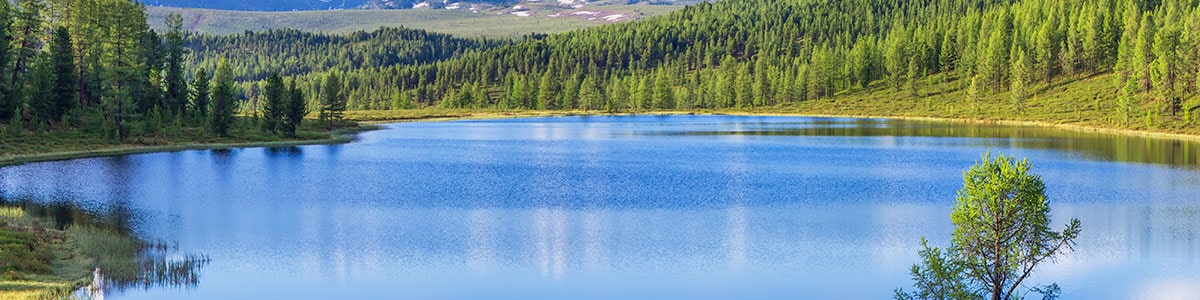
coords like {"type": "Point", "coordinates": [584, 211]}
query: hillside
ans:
{"type": "Point", "coordinates": [760, 53]}
{"type": "Point", "coordinates": [463, 22]}
{"type": "Point", "coordinates": [299, 5]}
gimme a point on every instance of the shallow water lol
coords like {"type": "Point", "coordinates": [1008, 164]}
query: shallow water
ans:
{"type": "Point", "coordinates": [644, 207]}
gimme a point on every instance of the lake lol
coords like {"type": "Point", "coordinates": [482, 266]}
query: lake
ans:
{"type": "Point", "coordinates": [632, 207]}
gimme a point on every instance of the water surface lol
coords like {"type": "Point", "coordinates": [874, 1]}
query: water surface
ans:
{"type": "Point", "coordinates": [643, 207]}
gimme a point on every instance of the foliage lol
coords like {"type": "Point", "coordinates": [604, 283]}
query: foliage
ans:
{"type": "Point", "coordinates": [224, 101]}
{"type": "Point", "coordinates": [1002, 233]}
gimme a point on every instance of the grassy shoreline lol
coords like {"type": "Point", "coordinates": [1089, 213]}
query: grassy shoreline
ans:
{"type": "Point", "coordinates": [370, 120]}
{"type": "Point", "coordinates": [338, 136]}
{"type": "Point", "coordinates": [436, 115]}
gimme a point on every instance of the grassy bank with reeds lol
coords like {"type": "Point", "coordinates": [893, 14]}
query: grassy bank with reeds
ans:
{"type": "Point", "coordinates": [22, 147]}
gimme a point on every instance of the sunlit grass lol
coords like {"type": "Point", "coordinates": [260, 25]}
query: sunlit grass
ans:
{"type": "Point", "coordinates": [1083, 103]}
{"type": "Point", "coordinates": [22, 147]}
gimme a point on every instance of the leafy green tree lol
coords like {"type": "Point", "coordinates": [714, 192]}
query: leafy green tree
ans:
{"type": "Point", "coordinates": [274, 107]}
{"type": "Point", "coordinates": [224, 99]}
{"type": "Point", "coordinates": [1001, 234]}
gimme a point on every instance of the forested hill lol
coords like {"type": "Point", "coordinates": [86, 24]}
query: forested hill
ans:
{"type": "Point", "coordinates": [745, 53]}
{"type": "Point", "coordinates": [290, 52]}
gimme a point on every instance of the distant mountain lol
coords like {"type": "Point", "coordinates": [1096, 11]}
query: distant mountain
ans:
{"type": "Point", "coordinates": [261, 5]}
{"type": "Point", "coordinates": [291, 5]}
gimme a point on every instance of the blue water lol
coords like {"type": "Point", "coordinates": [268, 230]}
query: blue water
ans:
{"type": "Point", "coordinates": [631, 207]}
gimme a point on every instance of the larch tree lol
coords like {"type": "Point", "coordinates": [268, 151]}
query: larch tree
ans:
{"type": "Point", "coordinates": [8, 101]}
{"type": "Point", "coordinates": [1001, 235]}
{"type": "Point", "coordinates": [1143, 52]}
{"type": "Point", "coordinates": [1020, 77]}
{"type": "Point", "coordinates": [333, 100]}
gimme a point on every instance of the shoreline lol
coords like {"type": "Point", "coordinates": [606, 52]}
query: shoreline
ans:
{"type": "Point", "coordinates": [346, 135]}
{"type": "Point", "coordinates": [339, 136]}
{"type": "Point", "coordinates": [1060, 126]}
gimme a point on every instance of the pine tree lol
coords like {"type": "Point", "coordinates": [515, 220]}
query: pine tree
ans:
{"type": "Point", "coordinates": [296, 109]}
{"type": "Point", "coordinates": [200, 94]}
{"type": "Point", "coordinates": [590, 95]}
{"type": "Point", "coordinates": [224, 99]}
{"type": "Point", "coordinates": [548, 92]}
{"type": "Point", "coordinates": [664, 92]}
{"type": "Point", "coordinates": [333, 100]}
{"type": "Point", "coordinates": [275, 107]}
{"type": "Point", "coordinates": [176, 86]}
{"type": "Point", "coordinates": [63, 95]}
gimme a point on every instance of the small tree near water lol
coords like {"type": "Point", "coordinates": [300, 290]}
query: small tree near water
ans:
{"type": "Point", "coordinates": [1002, 232]}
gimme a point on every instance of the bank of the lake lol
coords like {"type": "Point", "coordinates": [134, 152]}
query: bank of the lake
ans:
{"type": "Point", "coordinates": [43, 262]}
{"type": "Point", "coordinates": [65, 146]}
{"type": "Point", "coordinates": [1079, 104]}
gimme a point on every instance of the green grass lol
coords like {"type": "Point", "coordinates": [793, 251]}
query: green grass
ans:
{"type": "Point", "coordinates": [34, 262]}
{"type": "Point", "coordinates": [42, 262]}
{"type": "Point", "coordinates": [491, 23]}
{"type": "Point", "coordinates": [1085, 103]}
{"type": "Point", "coordinates": [22, 146]}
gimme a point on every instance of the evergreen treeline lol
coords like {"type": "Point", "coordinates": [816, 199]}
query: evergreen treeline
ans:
{"type": "Point", "coordinates": [747, 53]}
{"type": "Point", "coordinates": [95, 67]}
{"type": "Point", "coordinates": [292, 52]}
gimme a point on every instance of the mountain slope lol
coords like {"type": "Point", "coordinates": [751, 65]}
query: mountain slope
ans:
{"type": "Point", "coordinates": [768, 53]}
{"type": "Point", "coordinates": [292, 5]}
{"type": "Point", "coordinates": [261, 5]}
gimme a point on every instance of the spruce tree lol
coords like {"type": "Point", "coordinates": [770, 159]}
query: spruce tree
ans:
{"type": "Point", "coordinates": [201, 94]}
{"type": "Point", "coordinates": [224, 99]}
{"type": "Point", "coordinates": [63, 95]}
{"type": "Point", "coordinates": [176, 86]}
{"type": "Point", "coordinates": [296, 109]}
{"type": "Point", "coordinates": [274, 106]}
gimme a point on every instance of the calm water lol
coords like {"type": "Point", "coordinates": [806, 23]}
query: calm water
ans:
{"type": "Point", "coordinates": [697, 207]}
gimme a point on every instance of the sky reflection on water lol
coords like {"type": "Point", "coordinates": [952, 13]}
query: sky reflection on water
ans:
{"type": "Point", "coordinates": [704, 207]}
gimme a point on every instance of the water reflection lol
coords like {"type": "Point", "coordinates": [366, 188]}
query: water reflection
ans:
{"type": "Point", "coordinates": [109, 233]}
{"type": "Point", "coordinates": [1092, 145]}
{"type": "Point", "coordinates": [693, 207]}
